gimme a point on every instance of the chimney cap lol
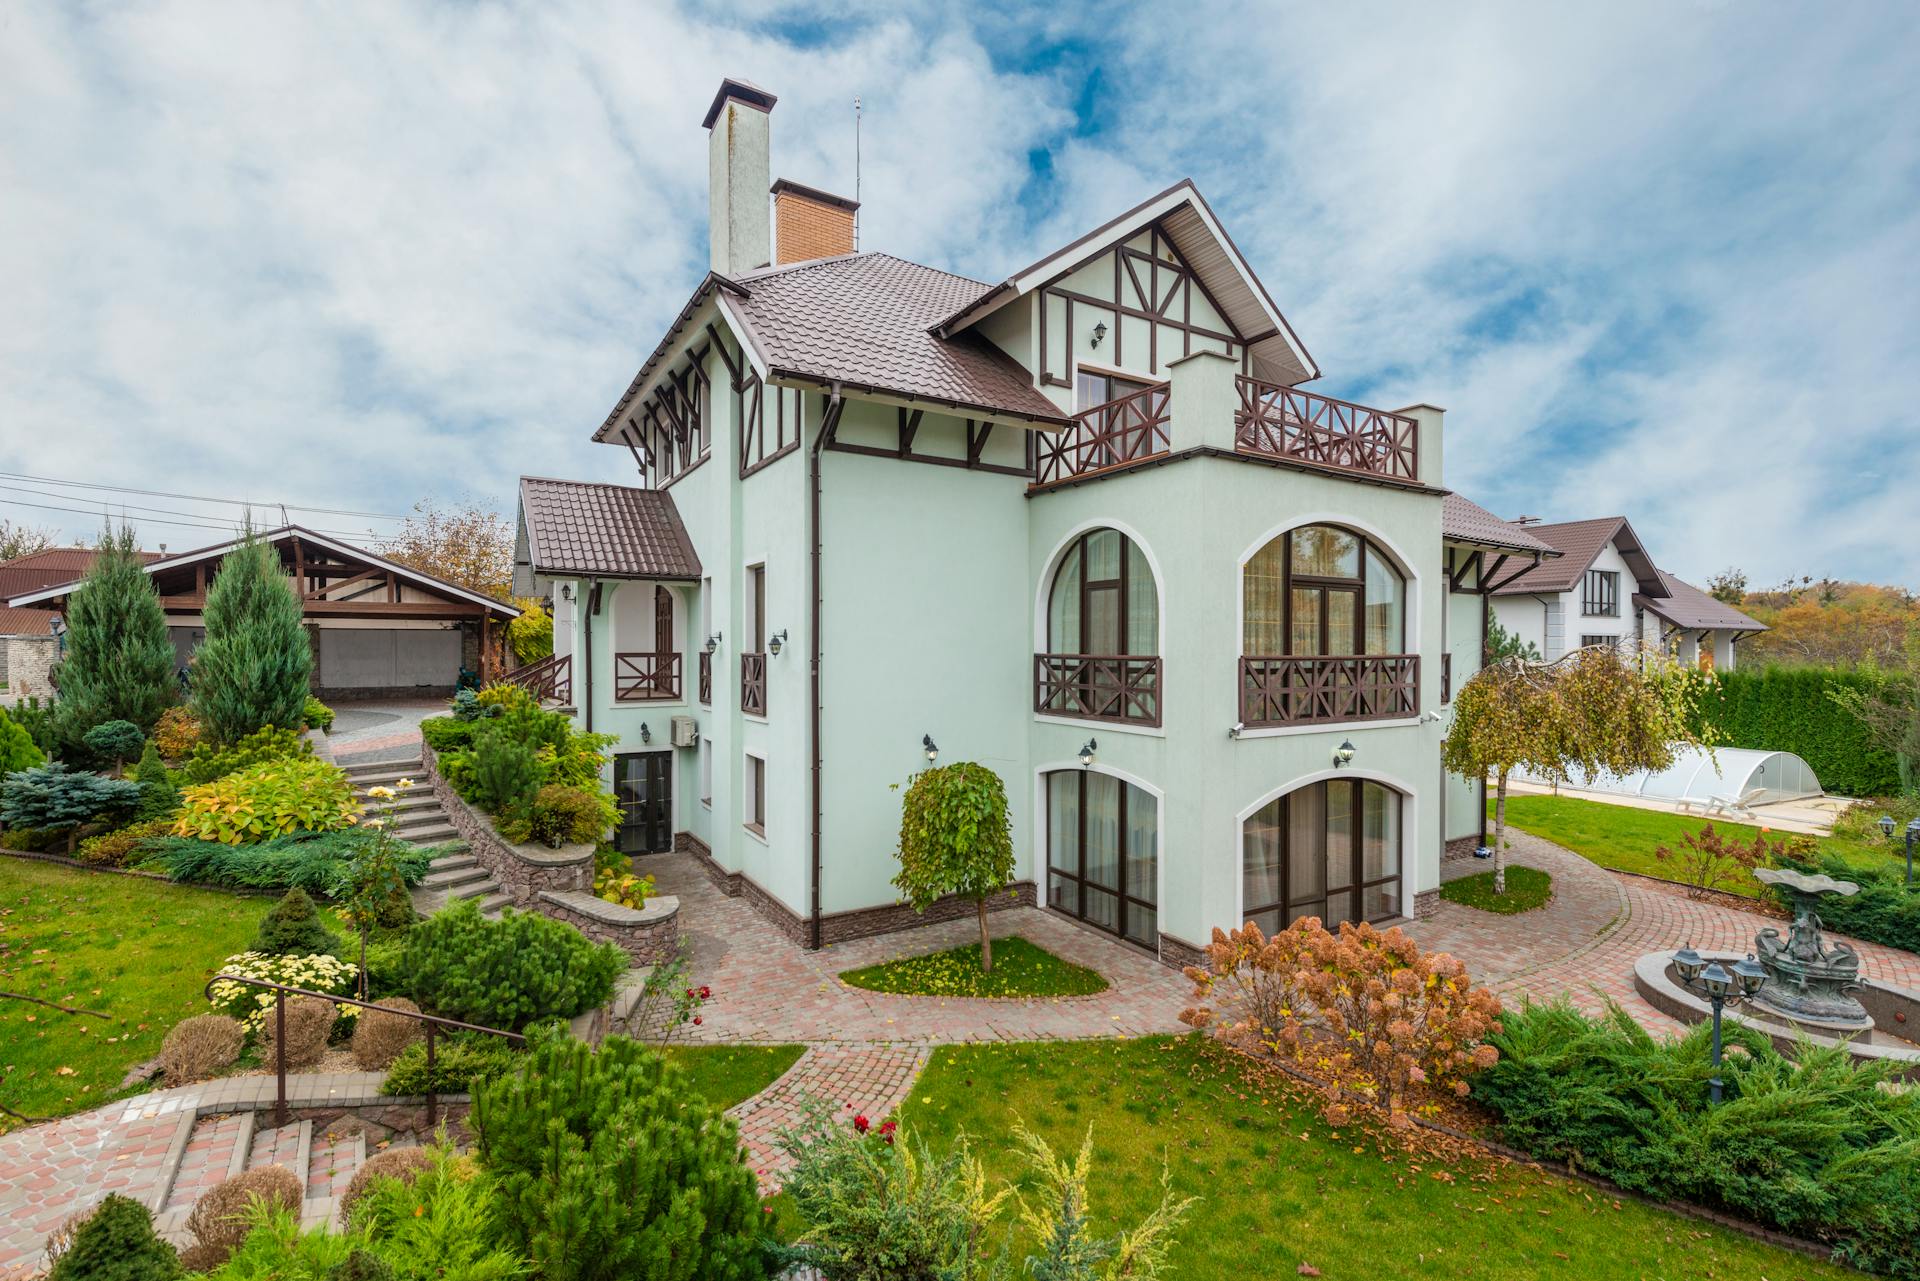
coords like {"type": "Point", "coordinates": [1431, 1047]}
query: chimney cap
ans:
{"type": "Point", "coordinates": [744, 91]}
{"type": "Point", "coordinates": [811, 193]}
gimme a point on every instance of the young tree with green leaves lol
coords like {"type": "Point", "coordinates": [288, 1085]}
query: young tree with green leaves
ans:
{"type": "Point", "coordinates": [18, 751]}
{"type": "Point", "coordinates": [1594, 711]}
{"type": "Point", "coordinates": [1501, 643]}
{"type": "Point", "coordinates": [119, 661]}
{"type": "Point", "coordinates": [956, 838]}
{"type": "Point", "coordinates": [253, 667]}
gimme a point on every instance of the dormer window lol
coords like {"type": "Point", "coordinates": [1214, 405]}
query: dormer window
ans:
{"type": "Point", "coordinates": [1600, 594]}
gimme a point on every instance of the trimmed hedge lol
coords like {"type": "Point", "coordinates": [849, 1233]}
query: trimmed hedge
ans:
{"type": "Point", "coordinates": [1788, 709]}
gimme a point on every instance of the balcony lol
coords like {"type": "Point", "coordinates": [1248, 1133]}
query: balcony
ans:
{"type": "Point", "coordinates": [1131, 429]}
{"type": "Point", "coordinates": [1285, 422]}
{"type": "Point", "coordinates": [646, 678]}
{"type": "Point", "coordinates": [1287, 690]}
{"type": "Point", "coordinates": [706, 679]}
{"type": "Point", "coordinates": [1124, 688]}
{"type": "Point", "coordinates": [550, 680]}
{"type": "Point", "coordinates": [753, 684]}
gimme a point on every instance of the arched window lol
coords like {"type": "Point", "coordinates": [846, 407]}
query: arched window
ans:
{"type": "Point", "coordinates": [1322, 590]}
{"type": "Point", "coordinates": [1103, 634]}
{"type": "Point", "coordinates": [1103, 852]}
{"type": "Point", "coordinates": [1330, 850]}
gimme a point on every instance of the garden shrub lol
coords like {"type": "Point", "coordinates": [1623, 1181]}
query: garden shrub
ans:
{"type": "Point", "coordinates": [117, 1243]}
{"type": "Point", "coordinates": [114, 743]}
{"type": "Point", "coordinates": [441, 1222]}
{"type": "Point", "coordinates": [1710, 861]}
{"type": "Point", "coordinates": [401, 1165]}
{"type": "Point", "coordinates": [276, 1249]}
{"type": "Point", "coordinates": [198, 1047]}
{"type": "Point", "coordinates": [118, 662]}
{"type": "Point", "coordinates": [219, 1218]}
{"type": "Point", "coordinates": [18, 751]}
{"type": "Point", "coordinates": [378, 1037]}
{"type": "Point", "coordinates": [563, 815]}
{"type": "Point", "coordinates": [1790, 709]}
{"type": "Point", "coordinates": [506, 973]}
{"type": "Point", "coordinates": [609, 1165]}
{"type": "Point", "coordinates": [316, 862]}
{"type": "Point", "coordinates": [252, 669]}
{"type": "Point", "coordinates": [447, 733]}
{"type": "Point", "coordinates": [531, 634]}
{"type": "Point", "coordinates": [623, 888]}
{"type": "Point", "coordinates": [505, 772]}
{"type": "Point", "coordinates": [956, 838]}
{"type": "Point", "coordinates": [1815, 1147]}
{"type": "Point", "coordinates": [177, 733]}
{"type": "Point", "coordinates": [457, 767]}
{"type": "Point", "coordinates": [310, 1023]}
{"type": "Point", "coordinates": [364, 1265]}
{"type": "Point", "coordinates": [123, 844]}
{"type": "Point", "coordinates": [316, 714]}
{"type": "Point", "coordinates": [1361, 1003]}
{"type": "Point", "coordinates": [293, 928]}
{"type": "Point", "coordinates": [508, 697]}
{"type": "Point", "coordinates": [208, 762]}
{"type": "Point", "coordinates": [253, 1006]}
{"type": "Point", "coordinates": [461, 1061]}
{"type": "Point", "coordinates": [53, 797]}
{"type": "Point", "coordinates": [272, 799]}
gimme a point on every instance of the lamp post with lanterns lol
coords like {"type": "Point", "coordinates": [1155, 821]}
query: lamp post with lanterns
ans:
{"type": "Point", "coordinates": [1720, 987]}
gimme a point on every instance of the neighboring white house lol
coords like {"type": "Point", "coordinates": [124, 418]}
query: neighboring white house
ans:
{"type": "Point", "coordinates": [1604, 588]}
{"type": "Point", "coordinates": [1082, 526]}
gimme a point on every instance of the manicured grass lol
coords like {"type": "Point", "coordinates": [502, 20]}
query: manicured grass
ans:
{"type": "Point", "coordinates": [137, 950]}
{"type": "Point", "coordinates": [729, 1074]}
{"type": "Point", "coordinates": [1019, 969]}
{"type": "Point", "coordinates": [1278, 1188]}
{"type": "Point", "coordinates": [1622, 837]}
{"type": "Point", "coordinates": [1527, 888]}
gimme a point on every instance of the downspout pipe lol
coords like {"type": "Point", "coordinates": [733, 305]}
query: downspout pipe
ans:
{"type": "Point", "coordinates": [586, 683]}
{"type": "Point", "coordinates": [829, 422]}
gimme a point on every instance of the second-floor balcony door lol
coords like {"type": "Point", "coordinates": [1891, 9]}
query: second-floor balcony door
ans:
{"type": "Point", "coordinates": [1103, 634]}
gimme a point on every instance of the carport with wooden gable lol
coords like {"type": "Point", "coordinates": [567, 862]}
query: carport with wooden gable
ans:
{"type": "Point", "coordinates": [378, 628]}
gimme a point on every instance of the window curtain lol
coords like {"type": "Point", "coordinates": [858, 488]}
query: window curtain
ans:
{"type": "Point", "coordinates": [1264, 608]}
{"type": "Point", "coordinates": [1143, 606]}
{"type": "Point", "coordinates": [1063, 607]}
{"type": "Point", "coordinates": [1386, 607]}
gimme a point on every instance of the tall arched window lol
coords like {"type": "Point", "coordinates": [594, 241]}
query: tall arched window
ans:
{"type": "Point", "coordinates": [1330, 850]}
{"type": "Point", "coordinates": [1324, 631]}
{"type": "Point", "coordinates": [1103, 634]}
{"type": "Point", "coordinates": [1103, 852]}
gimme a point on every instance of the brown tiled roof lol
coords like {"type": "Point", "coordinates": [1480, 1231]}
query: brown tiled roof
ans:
{"type": "Point", "coordinates": [1465, 521]}
{"type": "Point", "coordinates": [577, 527]}
{"type": "Point", "coordinates": [1579, 543]}
{"type": "Point", "coordinates": [863, 320]}
{"type": "Point", "coordinates": [45, 569]}
{"type": "Point", "coordinates": [1687, 606]}
{"type": "Point", "coordinates": [25, 622]}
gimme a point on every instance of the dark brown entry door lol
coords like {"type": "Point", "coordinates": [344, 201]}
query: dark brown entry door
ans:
{"type": "Point", "coordinates": [643, 784]}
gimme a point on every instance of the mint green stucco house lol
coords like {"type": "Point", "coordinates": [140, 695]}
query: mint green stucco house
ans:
{"type": "Point", "coordinates": [1084, 526]}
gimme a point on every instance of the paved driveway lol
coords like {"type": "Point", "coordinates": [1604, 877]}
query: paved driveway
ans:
{"type": "Point", "coordinates": [380, 729]}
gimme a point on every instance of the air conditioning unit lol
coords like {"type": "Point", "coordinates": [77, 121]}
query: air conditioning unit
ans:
{"type": "Point", "coordinates": [685, 732]}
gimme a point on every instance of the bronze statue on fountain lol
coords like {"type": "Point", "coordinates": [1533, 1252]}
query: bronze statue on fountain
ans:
{"type": "Point", "coordinates": [1809, 981]}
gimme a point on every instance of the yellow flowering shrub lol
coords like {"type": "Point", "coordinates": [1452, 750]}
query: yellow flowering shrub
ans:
{"type": "Point", "coordinates": [269, 799]}
{"type": "Point", "coordinates": [253, 1006]}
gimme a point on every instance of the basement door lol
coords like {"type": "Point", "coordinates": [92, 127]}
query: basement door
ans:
{"type": "Point", "coordinates": [643, 785]}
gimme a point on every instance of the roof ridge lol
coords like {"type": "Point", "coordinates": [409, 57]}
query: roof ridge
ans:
{"type": "Point", "coordinates": [766, 273]}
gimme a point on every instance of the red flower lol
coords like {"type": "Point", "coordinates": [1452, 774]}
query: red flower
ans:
{"type": "Point", "coordinates": [689, 994]}
{"type": "Point", "coordinates": [860, 1124]}
{"type": "Point", "coordinates": [705, 993]}
{"type": "Point", "coordinates": [696, 1020]}
{"type": "Point", "coordinates": [887, 1128]}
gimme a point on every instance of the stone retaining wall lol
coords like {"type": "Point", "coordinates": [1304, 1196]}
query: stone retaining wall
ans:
{"type": "Point", "coordinates": [524, 871]}
{"type": "Point", "coordinates": [650, 934]}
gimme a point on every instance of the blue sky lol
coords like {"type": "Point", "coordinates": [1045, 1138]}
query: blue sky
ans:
{"type": "Point", "coordinates": [1654, 259]}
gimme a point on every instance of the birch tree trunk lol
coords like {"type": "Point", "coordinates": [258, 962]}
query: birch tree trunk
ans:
{"type": "Point", "coordinates": [1500, 835]}
{"type": "Point", "coordinates": [986, 940]}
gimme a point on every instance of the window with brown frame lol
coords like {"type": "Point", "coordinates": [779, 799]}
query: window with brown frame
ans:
{"type": "Point", "coordinates": [755, 816]}
{"type": "Point", "coordinates": [1321, 590]}
{"type": "Point", "coordinates": [1103, 634]}
{"type": "Point", "coordinates": [1091, 387]}
{"type": "Point", "coordinates": [1103, 853]}
{"type": "Point", "coordinates": [1600, 594]}
{"type": "Point", "coordinates": [1330, 850]}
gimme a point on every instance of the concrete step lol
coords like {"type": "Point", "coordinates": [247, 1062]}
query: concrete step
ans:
{"type": "Point", "coordinates": [453, 862]}
{"type": "Point", "coordinates": [431, 836]}
{"type": "Point", "coordinates": [446, 879]}
{"type": "Point", "coordinates": [425, 816]}
{"type": "Point", "coordinates": [333, 1161]}
{"type": "Point", "coordinates": [386, 772]}
{"type": "Point", "coordinates": [288, 1145]}
{"type": "Point", "coordinates": [215, 1150]}
{"type": "Point", "coordinates": [491, 906]}
{"type": "Point", "coordinates": [406, 803]}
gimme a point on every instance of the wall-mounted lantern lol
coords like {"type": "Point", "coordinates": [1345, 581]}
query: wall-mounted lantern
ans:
{"type": "Point", "coordinates": [776, 641]}
{"type": "Point", "coordinates": [1086, 753]}
{"type": "Point", "coordinates": [713, 642]}
{"type": "Point", "coordinates": [931, 748]}
{"type": "Point", "coordinates": [1099, 333]}
{"type": "Point", "coordinates": [646, 733]}
{"type": "Point", "coordinates": [1343, 754]}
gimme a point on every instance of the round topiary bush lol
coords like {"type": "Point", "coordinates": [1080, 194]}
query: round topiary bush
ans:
{"type": "Point", "coordinates": [309, 1024]}
{"type": "Point", "coordinates": [378, 1038]}
{"type": "Point", "coordinates": [404, 1164]}
{"type": "Point", "coordinates": [294, 928]}
{"type": "Point", "coordinates": [198, 1047]}
{"type": "Point", "coordinates": [219, 1218]}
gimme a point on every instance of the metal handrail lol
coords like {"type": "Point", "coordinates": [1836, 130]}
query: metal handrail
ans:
{"type": "Point", "coordinates": [280, 991]}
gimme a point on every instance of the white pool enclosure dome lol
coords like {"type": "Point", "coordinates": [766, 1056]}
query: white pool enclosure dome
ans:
{"type": "Point", "coordinates": [1742, 774]}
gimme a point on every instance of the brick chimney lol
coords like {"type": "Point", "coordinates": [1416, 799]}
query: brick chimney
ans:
{"type": "Point", "coordinates": [738, 165]}
{"type": "Point", "coordinates": [810, 223]}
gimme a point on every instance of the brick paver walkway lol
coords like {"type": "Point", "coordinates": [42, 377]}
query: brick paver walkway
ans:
{"type": "Point", "coordinates": [853, 1080]}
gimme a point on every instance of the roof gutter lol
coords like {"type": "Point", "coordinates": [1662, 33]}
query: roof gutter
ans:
{"type": "Point", "coordinates": [829, 424]}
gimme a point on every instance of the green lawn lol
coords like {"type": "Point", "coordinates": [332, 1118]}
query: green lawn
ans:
{"type": "Point", "coordinates": [1527, 888]}
{"type": "Point", "coordinates": [137, 950]}
{"type": "Point", "coordinates": [1019, 969]}
{"type": "Point", "coordinates": [730, 1074]}
{"type": "Point", "coordinates": [1279, 1188]}
{"type": "Point", "coordinates": [1622, 837]}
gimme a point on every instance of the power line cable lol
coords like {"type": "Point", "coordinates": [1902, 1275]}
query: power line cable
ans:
{"type": "Point", "coordinates": [184, 524]}
{"type": "Point", "coordinates": [198, 498]}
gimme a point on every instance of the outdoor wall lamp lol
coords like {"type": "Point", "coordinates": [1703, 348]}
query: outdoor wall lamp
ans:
{"type": "Point", "coordinates": [931, 748]}
{"type": "Point", "coordinates": [1720, 987]}
{"type": "Point", "coordinates": [1886, 826]}
{"type": "Point", "coordinates": [646, 734]}
{"type": "Point", "coordinates": [566, 591]}
{"type": "Point", "coordinates": [776, 641]}
{"type": "Point", "coordinates": [1343, 754]}
{"type": "Point", "coordinates": [713, 641]}
{"type": "Point", "coordinates": [1913, 834]}
{"type": "Point", "coordinates": [1086, 753]}
{"type": "Point", "coordinates": [1099, 333]}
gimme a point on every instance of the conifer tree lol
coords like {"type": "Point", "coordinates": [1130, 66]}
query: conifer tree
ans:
{"type": "Point", "coordinates": [119, 662]}
{"type": "Point", "coordinates": [252, 669]}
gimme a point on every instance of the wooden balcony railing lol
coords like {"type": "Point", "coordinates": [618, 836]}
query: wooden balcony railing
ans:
{"type": "Point", "coordinates": [1126, 430]}
{"type": "Point", "coordinates": [1327, 689]}
{"type": "Point", "coordinates": [550, 678]}
{"type": "Point", "coordinates": [753, 684]}
{"type": "Point", "coordinates": [646, 678]}
{"type": "Point", "coordinates": [1098, 687]}
{"type": "Point", "coordinates": [706, 678]}
{"type": "Point", "coordinates": [1285, 422]}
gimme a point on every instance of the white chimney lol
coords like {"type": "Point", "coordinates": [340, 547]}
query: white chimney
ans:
{"type": "Point", "coordinates": [738, 167]}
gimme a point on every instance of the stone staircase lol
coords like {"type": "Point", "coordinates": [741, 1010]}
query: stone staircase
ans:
{"type": "Point", "coordinates": [420, 820]}
{"type": "Point", "coordinates": [325, 1157]}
